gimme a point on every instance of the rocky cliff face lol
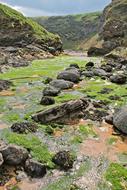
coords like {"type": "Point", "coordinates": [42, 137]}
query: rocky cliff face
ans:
{"type": "Point", "coordinates": [74, 30]}
{"type": "Point", "coordinates": [114, 30]}
{"type": "Point", "coordinates": [20, 35]}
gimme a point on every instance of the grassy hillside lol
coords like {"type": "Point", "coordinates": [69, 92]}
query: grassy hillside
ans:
{"type": "Point", "coordinates": [74, 30]}
{"type": "Point", "coordinates": [16, 27]}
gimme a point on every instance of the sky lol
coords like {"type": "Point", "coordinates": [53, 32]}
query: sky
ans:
{"type": "Point", "coordinates": [55, 7]}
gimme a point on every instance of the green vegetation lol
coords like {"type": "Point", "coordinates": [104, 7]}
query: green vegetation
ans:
{"type": "Point", "coordinates": [38, 150]}
{"type": "Point", "coordinates": [73, 29]}
{"type": "Point", "coordinates": [112, 140]}
{"type": "Point", "coordinates": [38, 30]}
{"type": "Point", "coordinates": [117, 176]}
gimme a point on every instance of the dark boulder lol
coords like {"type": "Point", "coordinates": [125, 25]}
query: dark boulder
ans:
{"type": "Point", "coordinates": [107, 68]}
{"type": "Point", "coordinates": [100, 72]}
{"type": "Point", "coordinates": [94, 51]}
{"type": "Point", "coordinates": [120, 119]}
{"type": "Point", "coordinates": [89, 64]}
{"type": "Point", "coordinates": [47, 100]}
{"type": "Point", "coordinates": [88, 73]}
{"type": "Point", "coordinates": [5, 84]}
{"type": "Point", "coordinates": [1, 159]}
{"type": "Point", "coordinates": [72, 75]}
{"type": "Point", "coordinates": [14, 155]}
{"type": "Point", "coordinates": [61, 84]}
{"type": "Point", "coordinates": [75, 65]}
{"type": "Point", "coordinates": [62, 114]}
{"type": "Point", "coordinates": [24, 127]}
{"type": "Point", "coordinates": [64, 160]}
{"type": "Point", "coordinates": [51, 91]}
{"type": "Point", "coordinates": [34, 168]}
{"type": "Point", "coordinates": [119, 79]}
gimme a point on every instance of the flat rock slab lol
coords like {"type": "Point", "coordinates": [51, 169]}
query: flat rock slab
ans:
{"type": "Point", "coordinates": [63, 114]}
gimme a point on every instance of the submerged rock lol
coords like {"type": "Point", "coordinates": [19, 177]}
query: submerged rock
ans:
{"type": "Point", "coordinates": [24, 127]}
{"type": "Point", "coordinates": [63, 114]}
{"type": "Point", "coordinates": [120, 119]}
{"type": "Point", "coordinates": [51, 91]}
{"type": "Point", "coordinates": [64, 159]}
{"type": "Point", "coordinates": [14, 155]}
{"type": "Point", "coordinates": [61, 84]}
{"type": "Point", "coordinates": [5, 84]}
{"type": "Point", "coordinates": [34, 168]}
{"type": "Point", "coordinates": [46, 100]}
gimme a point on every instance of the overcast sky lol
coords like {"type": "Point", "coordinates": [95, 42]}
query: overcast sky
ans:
{"type": "Point", "coordinates": [55, 7]}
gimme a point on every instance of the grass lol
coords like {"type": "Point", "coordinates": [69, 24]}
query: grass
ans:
{"type": "Point", "coordinates": [41, 68]}
{"type": "Point", "coordinates": [38, 150]}
{"type": "Point", "coordinates": [117, 176]}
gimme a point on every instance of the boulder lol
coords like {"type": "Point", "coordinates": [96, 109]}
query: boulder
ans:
{"type": "Point", "coordinates": [51, 91]}
{"type": "Point", "coordinates": [120, 119]}
{"type": "Point", "coordinates": [109, 119]}
{"type": "Point", "coordinates": [14, 155]}
{"type": "Point", "coordinates": [46, 100]}
{"type": "Point", "coordinates": [106, 68]}
{"type": "Point", "coordinates": [119, 79]}
{"type": "Point", "coordinates": [75, 65]}
{"type": "Point", "coordinates": [89, 64]}
{"type": "Point", "coordinates": [64, 160]}
{"type": "Point", "coordinates": [94, 51]}
{"type": "Point", "coordinates": [34, 168]}
{"type": "Point", "coordinates": [99, 72]}
{"type": "Point", "coordinates": [61, 84]}
{"type": "Point", "coordinates": [62, 114]}
{"type": "Point", "coordinates": [1, 159]}
{"type": "Point", "coordinates": [71, 74]}
{"type": "Point", "coordinates": [24, 127]}
{"type": "Point", "coordinates": [5, 84]}
{"type": "Point", "coordinates": [88, 73]}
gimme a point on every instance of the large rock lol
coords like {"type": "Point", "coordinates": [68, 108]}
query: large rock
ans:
{"type": "Point", "coordinates": [119, 79]}
{"type": "Point", "coordinates": [61, 84]}
{"type": "Point", "coordinates": [51, 91]}
{"type": "Point", "coordinates": [63, 114]}
{"type": "Point", "coordinates": [64, 159]}
{"type": "Point", "coordinates": [34, 168]}
{"type": "Point", "coordinates": [5, 84]}
{"type": "Point", "coordinates": [120, 119]}
{"type": "Point", "coordinates": [24, 127]}
{"type": "Point", "coordinates": [14, 155]}
{"type": "Point", "coordinates": [95, 51]}
{"type": "Point", "coordinates": [47, 100]}
{"type": "Point", "coordinates": [1, 159]}
{"type": "Point", "coordinates": [71, 74]}
{"type": "Point", "coordinates": [100, 72]}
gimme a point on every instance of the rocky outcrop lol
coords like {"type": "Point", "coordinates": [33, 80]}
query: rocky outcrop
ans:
{"type": "Point", "coordinates": [74, 30]}
{"type": "Point", "coordinates": [63, 114]}
{"type": "Point", "coordinates": [23, 39]}
{"type": "Point", "coordinates": [113, 31]}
